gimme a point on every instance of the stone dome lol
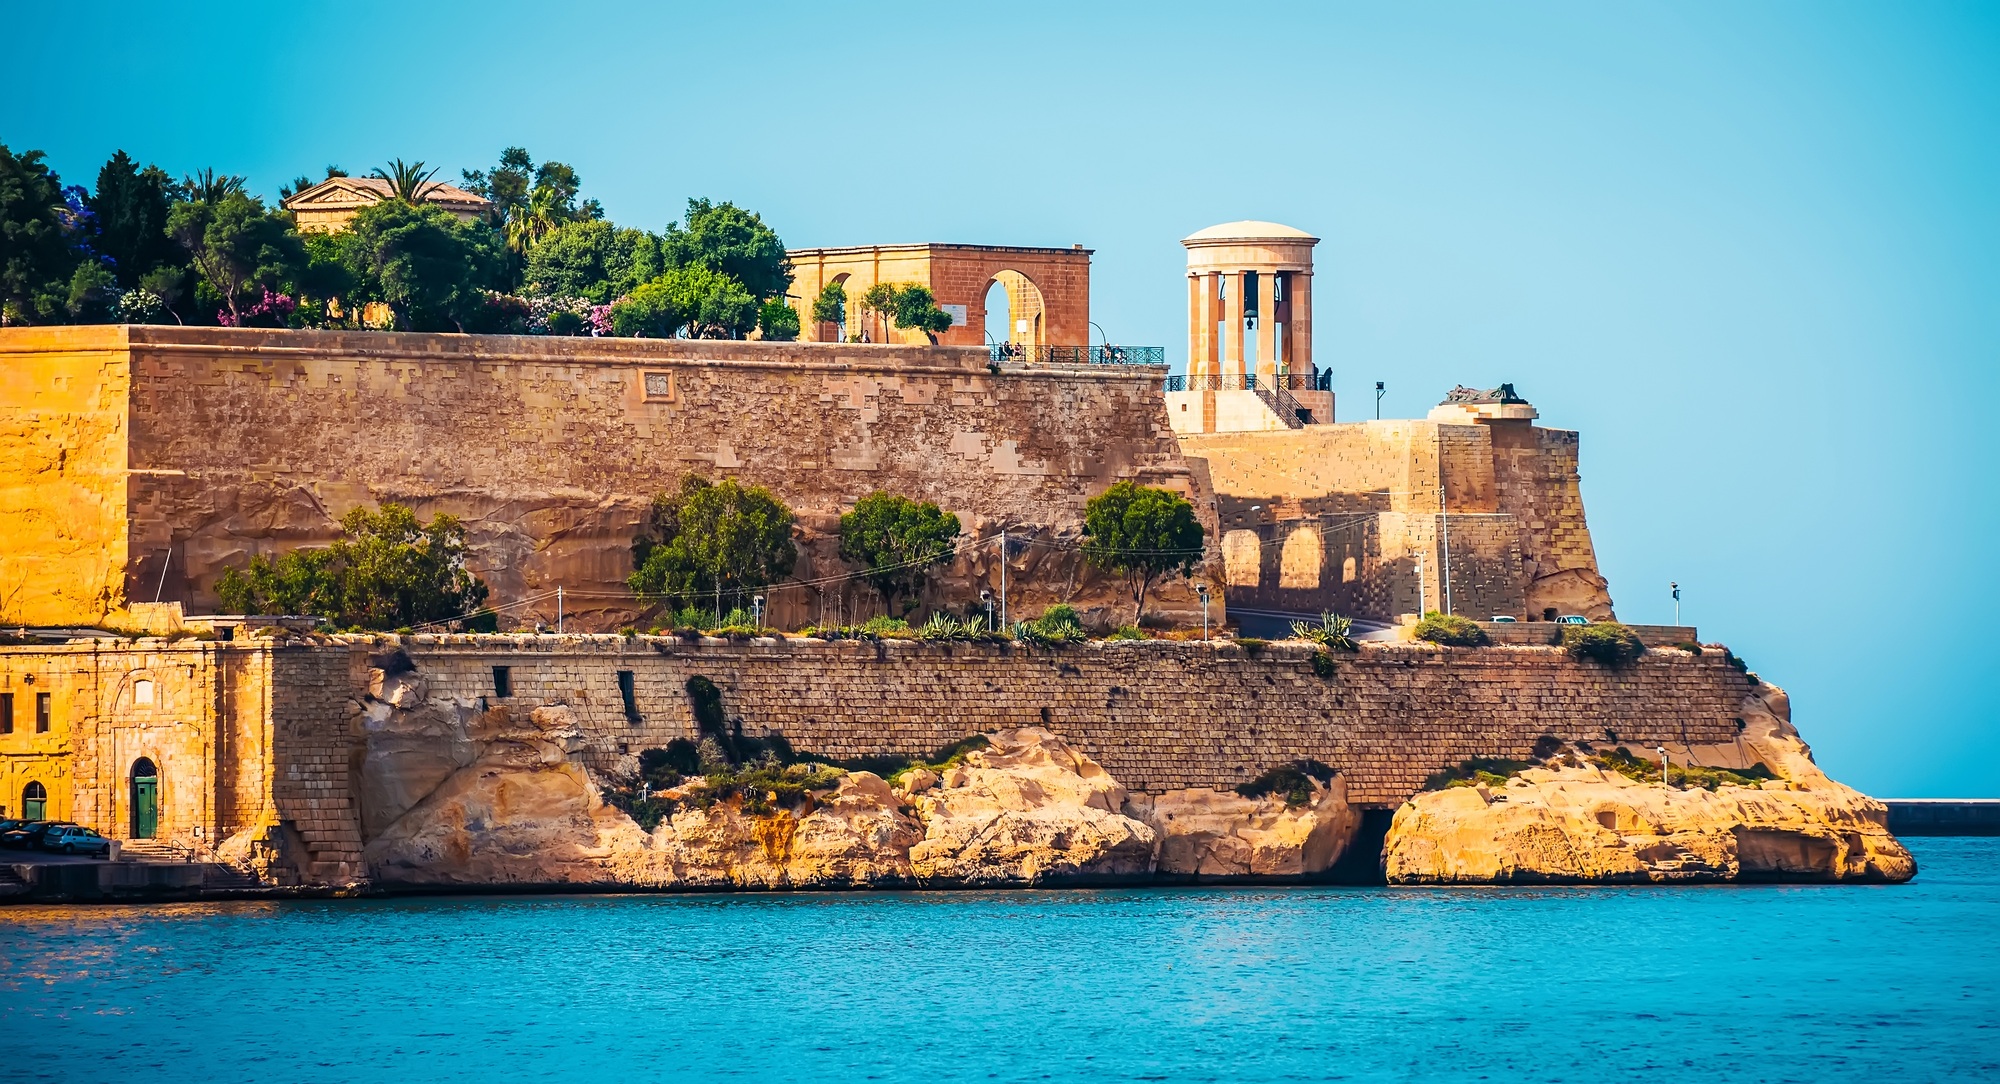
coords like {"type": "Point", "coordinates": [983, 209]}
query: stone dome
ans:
{"type": "Point", "coordinates": [1247, 230]}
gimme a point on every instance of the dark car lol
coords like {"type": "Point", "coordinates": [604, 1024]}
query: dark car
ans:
{"type": "Point", "coordinates": [72, 839]}
{"type": "Point", "coordinates": [31, 834]}
{"type": "Point", "coordinates": [9, 824]}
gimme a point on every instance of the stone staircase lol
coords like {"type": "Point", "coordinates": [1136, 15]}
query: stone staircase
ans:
{"type": "Point", "coordinates": [217, 875]}
{"type": "Point", "coordinates": [155, 850]}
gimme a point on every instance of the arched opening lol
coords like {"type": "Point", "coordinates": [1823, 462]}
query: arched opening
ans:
{"type": "Point", "coordinates": [34, 802]}
{"type": "Point", "coordinates": [1013, 309]}
{"type": "Point", "coordinates": [1242, 558]}
{"type": "Point", "coordinates": [835, 330]}
{"type": "Point", "coordinates": [142, 692]}
{"type": "Point", "coordinates": [1301, 560]}
{"type": "Point", "coordinates": [145, 799]}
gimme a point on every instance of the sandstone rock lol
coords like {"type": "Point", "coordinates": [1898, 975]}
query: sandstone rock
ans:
{"type": "Point", "coordinates": [1215, 834]}
{"type": "Point", "coordinates": [1028, 810]}
{"type": "Point", "coordinates": [1583, 824]}
{"type": "Point", "coordinates": [856, 835]}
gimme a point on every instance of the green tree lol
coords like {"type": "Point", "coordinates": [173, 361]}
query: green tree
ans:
{"type": "Point", "coordinates": [408, 183]}
{"type": "Point", "coordinates": [897, 541]}
{"type": "Point", "coordinates": [915, 308]}
{"type": "Point", "coordinates": [570, 261]}
{"type": "Point", "coordinates": [210, 187]}
{"type": "Point", "coordinates": [131, 205]}
{"type": "Point", "coordinates": [235, 245]}
{"type": "Point", "coordinates": [37, 258]}
{"type": "Point", "coordinates": [880, 299]}
{"type": "Point", "coordinates": [778, 321]}
{"type": "Point", "coordinates": [530, 201]}
{"type": "Point", "coordinates": [712, 539]}
{"type": "Point", "coordinates": [429, 267]}
{"type": "Point", "coordinates": [1141, 533]}
{"type": "Point", "coordinates": [725, 238]}
{"type": "Point", "coordinates": [386, 570]}
{"type": "Point", "coordinates": [704, 303]}
{"type": "Point", "coordinates": [830, 307]}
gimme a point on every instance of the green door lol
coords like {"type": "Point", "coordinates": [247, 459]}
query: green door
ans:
{"type": "Point", "coordinates": [145, 806]}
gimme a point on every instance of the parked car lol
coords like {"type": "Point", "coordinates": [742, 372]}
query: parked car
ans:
{"type": "Point", "coordinates": [1572, 619]}
{"type": "Point", "coordinates": [1503, 619]}
{"type": "Point", "coordinates": [10, 824]}
{"type": "Point", "coordinates": [31, 834]}
{"type": "Point", "coordinates": [75, 839]}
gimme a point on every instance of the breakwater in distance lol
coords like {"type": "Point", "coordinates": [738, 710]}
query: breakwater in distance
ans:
{"type": "Point", "coordinates": [1789, 983]}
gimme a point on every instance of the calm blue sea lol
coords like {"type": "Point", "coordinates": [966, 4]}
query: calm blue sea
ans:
{"type": "Point", "coordinates": [1760, 983]}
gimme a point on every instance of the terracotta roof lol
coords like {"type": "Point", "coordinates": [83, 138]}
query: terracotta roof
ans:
{"type": "Point", "coordinates": [1249, 230]}
{"type": "Point", "coordinates": [357, 191]}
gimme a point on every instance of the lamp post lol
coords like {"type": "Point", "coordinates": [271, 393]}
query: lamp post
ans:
{"type": "Point", "coordinates": [757, 607]}
{"type": "Point", "coordinates": [1378, 400]}
{"type": "Point", "coordinates": [986, 599]}
{"type": "Point", "coordinates": [1202, 590]}
{"type": "Point", "coordinates": [1420, 586]}
{"type": "Point", "coordinates": [1662, 750]}
{"type": "Point", "coordinates": [1676, 588]}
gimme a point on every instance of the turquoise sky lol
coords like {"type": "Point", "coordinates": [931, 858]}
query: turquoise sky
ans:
{"type": "Point", "coordinates": [1750, 250]}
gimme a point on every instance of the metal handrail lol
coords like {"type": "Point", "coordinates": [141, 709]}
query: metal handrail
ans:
{"type": "Point", "coordinates": [1101, 354]}
{"type": "Point", "coordinates": [1288, 381]}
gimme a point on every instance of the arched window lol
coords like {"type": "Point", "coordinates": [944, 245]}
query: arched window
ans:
{"type": "Point", "coordinates": [145, 799]}
{"type": "Point", "coordinates": [142, 691]}
{"type": "Point", "coordinates": [34, 802]}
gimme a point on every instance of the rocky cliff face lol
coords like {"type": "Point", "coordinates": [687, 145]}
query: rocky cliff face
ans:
{"type": "Point", "coordinates": [453, 794]}
{"type": "Point", "coordinates": [1585, 824]}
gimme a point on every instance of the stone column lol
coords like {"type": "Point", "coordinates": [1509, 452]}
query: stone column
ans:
{"type": "Point", "coordinates": [1267, 328]}
{"type": "Point", "coordinates": [1231, 313]}
{"type": "Point", "coordinates": [1299, 328]}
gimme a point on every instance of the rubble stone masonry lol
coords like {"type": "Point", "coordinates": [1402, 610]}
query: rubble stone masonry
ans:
{"type": "Point", "coordinates": [265, 738]}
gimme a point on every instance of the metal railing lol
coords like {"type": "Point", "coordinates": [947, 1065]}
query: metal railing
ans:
{"type": "Point", "coordinates": [1102, 354]}
{"type": "Point", "coordinates": [1284, 381]}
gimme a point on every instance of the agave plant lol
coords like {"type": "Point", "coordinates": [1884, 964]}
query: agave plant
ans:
{"type": "Point", "coordinates": [1332, 630]}
{"type": "Point", "coordinates": [409, 182]}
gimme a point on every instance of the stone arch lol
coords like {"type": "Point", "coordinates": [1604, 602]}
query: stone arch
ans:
{"type": "Point", "coordinates": [143, 784]}
{"type": "Point", "coordinates": [1025, 319]}
{"type": "Point", "coordinates": [34, 801]}
{"type": "Point", "coordinates": [1242, 558]}
{"type": "Point", "coordinates": [830, 332]}
{"type": "Point", "coordinates": [1301, 560]}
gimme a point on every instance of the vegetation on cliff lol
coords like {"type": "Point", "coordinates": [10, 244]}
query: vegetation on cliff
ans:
{"type": "Point", "coordinates": [712, 539]}
{"type": "Point", "coordinates": [1607, 642]}
{"type": "Point", "coordinates": [1294, 782]}
{"type": "Point", "coordinates": [1450, 629]}
{"type": "Point", "coordinates": [1141, 533]}
{"type": "Point", "coordinates": [897, 541]}
{"type": "Point", "coordinates": [385, 571]}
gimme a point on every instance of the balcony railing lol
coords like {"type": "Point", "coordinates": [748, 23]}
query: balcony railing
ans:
{"type": "Point", "coordinates": [1103, 354]}
{"type": "Point", "coordinates": [1313, 381]}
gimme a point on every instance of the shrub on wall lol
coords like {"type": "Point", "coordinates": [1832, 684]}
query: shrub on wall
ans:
{"type": "Point", "coordinates": [1450, 629]}
{"type": "Point", "coordinates": [897, 541]}
{"type": "Point", "coordinates": [385, 571]}
{"type": "Point", "coordinates": [1141, 533]}
{"type": "Point", "coordinates": [1607, 642]}
{"type": "Point", "coordinates": [1293, 781]}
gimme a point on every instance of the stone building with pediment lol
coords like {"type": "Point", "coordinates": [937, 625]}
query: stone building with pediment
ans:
{"type": "Point", "coordinates": [327, 206]}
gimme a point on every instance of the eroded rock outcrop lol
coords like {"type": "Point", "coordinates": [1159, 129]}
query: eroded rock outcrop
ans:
{"type": "Point", "coordinates": [1584, 824]}
{"type": "Point", "coordinates": [453, 793]}
{"type": "Point", "coordinates": [1211, 834]}
{"type": "Point", "coordinates": [1027, 810]}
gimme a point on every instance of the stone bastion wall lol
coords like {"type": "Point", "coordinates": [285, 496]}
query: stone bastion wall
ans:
{"type": "Point", "coordinates": [140, 462]}
{"type": "Point", "coordinates": [258, 737]}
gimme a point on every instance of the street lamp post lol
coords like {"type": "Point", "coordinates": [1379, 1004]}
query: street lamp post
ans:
{"type": "Point", "coordinates": [1662, 750]}
{"type": "Point", "coordinates": [1677, 601]}
{"type": "Point", "coordinates": [986, 600]}
{"type": "Point", "coordinates": [1202, 590]}
{"type": "Point", "coordinates": [757, 606]}
{"type": "Point", "coordinates": [1378, 400]}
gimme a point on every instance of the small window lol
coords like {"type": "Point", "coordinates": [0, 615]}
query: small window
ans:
{"type": "Point", "coordinates": [503, 681]}
{"type": "Point", "coordinates": [41, 713]}
{"type": "Point", "coordinates": [6, 713]}
{"type": "Point", "coordinates": [142, 691]}
{"type": "Point", "coordinates": [629, 694]}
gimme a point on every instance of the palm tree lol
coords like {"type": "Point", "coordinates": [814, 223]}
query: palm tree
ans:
{"type": "Point", "coordinates": [407, 182]}
{"type": "Point", "coordinates": [206, 187]}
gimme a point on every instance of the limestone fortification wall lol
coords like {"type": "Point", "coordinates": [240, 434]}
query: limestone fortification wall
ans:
{"type": "Point", "coordinates": [256, 739]}
{"type": "Point", "coordinates": [1336, 517]}
{"type": "Point", "coordinates": [1159, 715]}
{"type": "Point", "coordinates": [143, 461]}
